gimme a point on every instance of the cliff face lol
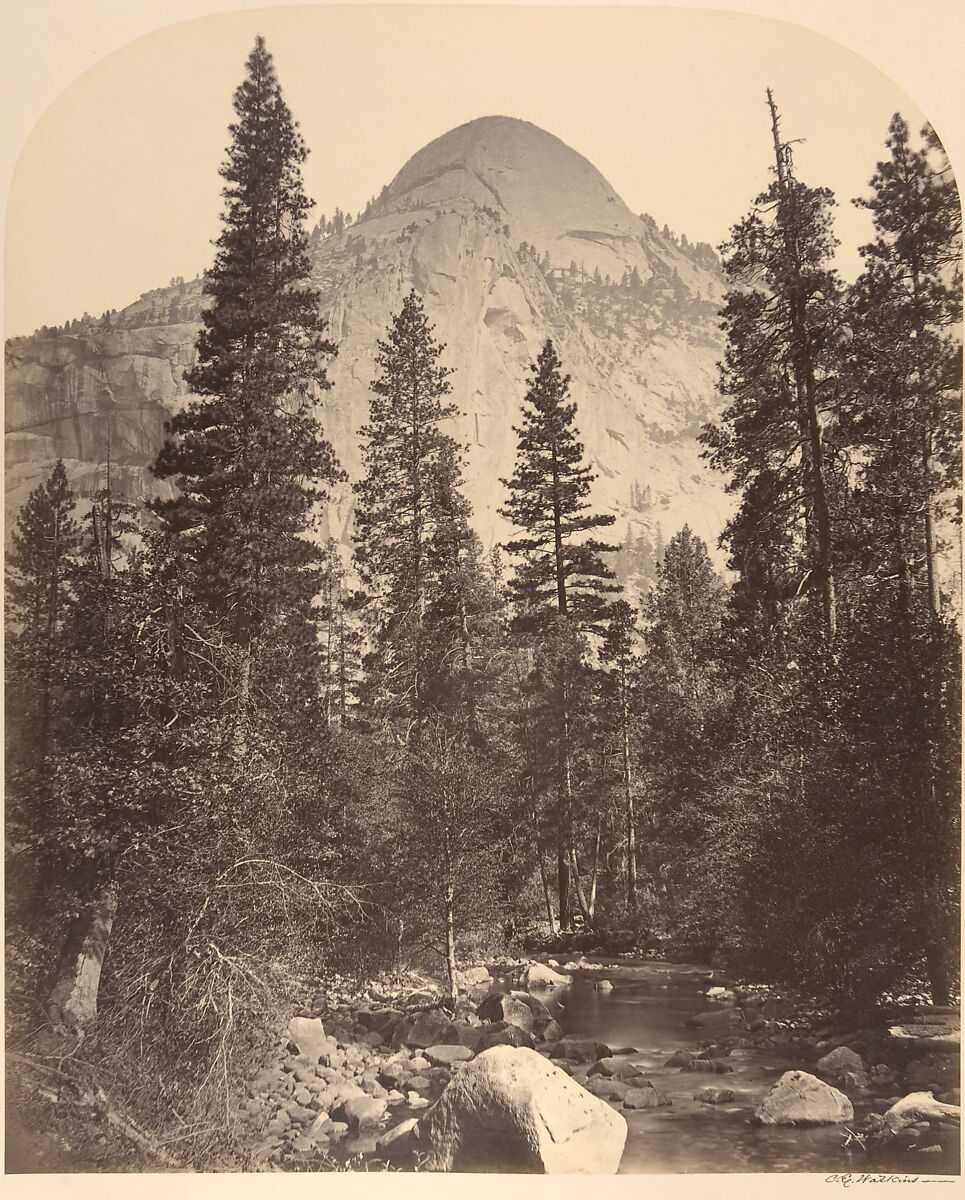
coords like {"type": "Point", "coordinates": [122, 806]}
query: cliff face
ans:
{"type": "Point", "coordinates": [511, 237]}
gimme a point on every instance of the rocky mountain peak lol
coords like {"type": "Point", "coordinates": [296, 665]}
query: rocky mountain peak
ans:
{"type": "Point", "coordinates": [511, 237]}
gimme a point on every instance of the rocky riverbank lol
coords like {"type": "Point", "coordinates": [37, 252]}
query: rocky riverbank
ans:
{"type": "Point", "coordinates": [355, 1075]}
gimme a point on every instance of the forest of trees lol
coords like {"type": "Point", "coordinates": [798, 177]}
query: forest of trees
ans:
{"type": "Point", "coordinates": [243, 754]}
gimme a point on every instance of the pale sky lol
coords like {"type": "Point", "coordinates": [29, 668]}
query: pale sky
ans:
{"type": "Point", "coordinates": [117, 189]}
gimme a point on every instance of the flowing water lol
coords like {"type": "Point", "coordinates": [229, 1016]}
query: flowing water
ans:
{"type": "Point", "coordinates": [647, 1009]}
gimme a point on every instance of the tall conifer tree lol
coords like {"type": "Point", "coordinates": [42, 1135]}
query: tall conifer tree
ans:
{"type": "Point", "coordinates": [560, 568]}
{"type": "Point", "coordinates": [779, 374]}
{"type": "Point", "coordinates": [248, 456]}
{"type": "Point", "coordinates": [904, 378]}
{"type": "Point", "coordinates": [409, 464]}
{"type": "Point", "coordinates": [561, 581]}
{"type": "Point", "coordinates": [44, 539]}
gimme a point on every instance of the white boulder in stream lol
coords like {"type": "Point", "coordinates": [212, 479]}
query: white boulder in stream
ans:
{"type": "Point", "coordinates": [512, 1111]}
{"type": "Point", "coordinates": [537, 975]}
{"type": "Point", "coordinates": [801, 1099]}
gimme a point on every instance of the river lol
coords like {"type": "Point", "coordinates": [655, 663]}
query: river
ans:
{"type": "Point", "coordinates": [647, 1009]}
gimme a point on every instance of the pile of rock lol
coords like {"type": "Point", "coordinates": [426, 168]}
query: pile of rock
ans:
{"type": "Point", "coordinates": [355, 1083]}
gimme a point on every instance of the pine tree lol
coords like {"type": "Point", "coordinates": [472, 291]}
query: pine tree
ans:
{"type": "Point", "coordinates": [560, 568]}
{"type": "Point", "coordinates": [904, 391]}
{"type": "Point", "coordinates": [904, 366]}
{"type": "Point", "coordinates": [248, 456]}
{"type": "Point", "coordinates": [779, 374]}
{"type": "Point", "coordinates": [45, 538]}
{"type": "Point", "coordinates": [620, 653]}
{"type": "Point", "coordinates": [406, 456]}
{"type": "Point", "coordinates": [561, 582]}
{"type": "Point", "coordinates": [680, 690]}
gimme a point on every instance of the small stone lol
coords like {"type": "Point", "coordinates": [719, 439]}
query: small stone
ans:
{"type": "Point", "coordinates": [447, 1055]}
{"type": "Point", "coordinates": [712, 1095]}
{"type": "Point", "coordinates": [398, 1133]}
{"type": "Point", "coordinates": [502, 1034]}
{"type": "Point", "coordinates": [551, 1031]}
{"type": "Point", "coordinates": [709, 1066]}
{"type": "Point", "coordinates": [414, 1100]}
{"type": "Point", "coordinates": [715, 1051]}
{"type": "Point", "coordinates": [648, 1097]}
{"type": "Point", "coordinates": [607, 1088]}
{"type": "Point", "coordinates": [393, 1073]}
{"type": "Point", "coordinates": [581, 1050]}
{"type": "Point", "coordinates": [364, 1110]}
{"type": "Point", "coordinates": [321, 1123]}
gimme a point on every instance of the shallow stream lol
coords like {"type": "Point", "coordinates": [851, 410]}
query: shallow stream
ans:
{"type": "Point", "coordinates": [647, 1009]}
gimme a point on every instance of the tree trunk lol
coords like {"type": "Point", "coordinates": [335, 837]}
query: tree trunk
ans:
{"type": "Point", "coordinates": [809, 424]}
{"type": "Point", "coordinates": [73, 999]}
{"type": "Point", "coordinates": [628, 796]}
{"type": "Point", "coordinates": [449, 901]}
{"type": "Point", "coordinates": [580, 894]}
{"type": "Point", "coordinates": [931, 544]}
{"type": "Point", "coordinates": [547, 896]}
{"type": "Point", "coordinates": [591, 905]}
{"type": "Point", "coordinates": [563, 884]}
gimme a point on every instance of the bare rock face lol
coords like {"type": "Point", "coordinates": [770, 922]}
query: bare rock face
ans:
{"type": "Point", "coordinates": [512, 1111]}
{"type": "Point", "coordinates": [802, 1099]}
{"type": "Point", "coordinates": [511, 237]}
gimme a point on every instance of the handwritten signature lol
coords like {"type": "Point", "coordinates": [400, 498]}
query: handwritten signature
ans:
{"type": "Point", "coordinates": [846, 1179]}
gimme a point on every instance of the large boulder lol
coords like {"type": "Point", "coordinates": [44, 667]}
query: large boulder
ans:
{"type": "Point", "coordinates": [717, 1020]}
{"type": "Point", "coordinates": [498, 1006]}
{"type": "Point", "coordinates": [580, 1050]}
{"type": "Point", "coordinates": [512, 1111]}
{"type": "Point", "coordinates": [470, 978]}
{"type": "Point", "coordinates": [919, 1106]}
{"type": "Point", "coordinates": [801, 1099]}
{"type": "Point", "coordinates": [308, 1034]}
{"type": "Point", "coordinates": [430, 1028]}
{"type": "Point", "coordinates": [537, 975]}
{"type": "Point", "coordinates": [502, 1034]}
{"type": "Point", "coordinates": [840, 1064]}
